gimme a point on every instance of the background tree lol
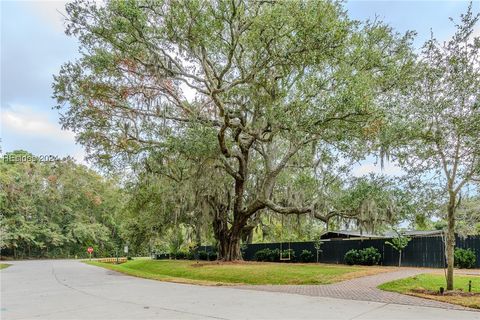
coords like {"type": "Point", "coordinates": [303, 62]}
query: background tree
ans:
{"type": "Point", "coordinates": [56, 209]}
{"type": "Point", "coordinates": [166, 199]}
{"type": "Point", "coordinates": [467, 220]}
{"type": "Point", "coordinates": [439, 122]}
{"type": "Point", "coordinates": [399, 242]}
{"type": "Point", "coordinates": [376, 202]}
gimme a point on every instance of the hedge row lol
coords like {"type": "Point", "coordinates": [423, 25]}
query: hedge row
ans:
{"type": "Point", "coordinates": [269, 255]}
{"type": "Point", "coordinates": [368, 256]}
{"type": "Point", "coordinates": [192, 255]}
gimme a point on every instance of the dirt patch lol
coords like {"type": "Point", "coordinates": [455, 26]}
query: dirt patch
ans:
{"type": "Point", "coordinates": [466, 299]}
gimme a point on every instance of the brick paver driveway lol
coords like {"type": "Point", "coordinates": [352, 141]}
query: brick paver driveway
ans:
{"type": "Point", "coordinates": [364, 288]}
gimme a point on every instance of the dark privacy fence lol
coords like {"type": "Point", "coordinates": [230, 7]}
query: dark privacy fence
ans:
{"type": "Point", "coordinates": [420, 252]}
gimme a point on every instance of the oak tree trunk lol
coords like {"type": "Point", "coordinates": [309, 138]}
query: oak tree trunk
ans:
{"type": "Point", "coordinates": [227, 235]}
{"type": "Point", "coordinates": [229, 249]}
{"type": "Point", "coordinates": [229, 241]}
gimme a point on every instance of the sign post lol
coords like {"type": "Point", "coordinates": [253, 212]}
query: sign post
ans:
{"type": "Point", "coordinates": [90, 250]}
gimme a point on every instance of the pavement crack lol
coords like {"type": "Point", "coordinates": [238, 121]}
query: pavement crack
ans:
{"type": "Point", "coordinates": [368, 311]}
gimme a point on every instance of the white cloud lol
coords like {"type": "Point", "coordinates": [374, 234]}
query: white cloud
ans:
{"type": "Point", "coordinates": [24, 128]}
{"type": "Point", "coordinates": [25, 121]}
{"type": "Point", "coordinates": [52, 12]}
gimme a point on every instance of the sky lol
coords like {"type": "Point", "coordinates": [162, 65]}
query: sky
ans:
{"type": "Point", "coordinates": [34, 46]}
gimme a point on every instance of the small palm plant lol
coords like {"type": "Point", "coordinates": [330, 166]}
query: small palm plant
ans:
{"type": "Point", "coordinates": [399, 243]}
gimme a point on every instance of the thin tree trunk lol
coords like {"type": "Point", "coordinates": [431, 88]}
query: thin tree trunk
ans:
{"type": "Point", "coordinates": [247, 234]}
{"type": "Point", "coordinates": [399, 258]}
{"type": "Point", "coordinates": [198, 234]}
{"type": "Point", "coordinates": [450, 242]}
{"type": "Point", "coordinates": [250, 237]}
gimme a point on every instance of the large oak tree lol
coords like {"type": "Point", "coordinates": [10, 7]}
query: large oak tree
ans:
{"type": "Point", "coordinates": [264, 82]}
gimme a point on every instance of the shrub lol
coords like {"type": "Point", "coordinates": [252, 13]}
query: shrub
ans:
{"type": "Point", "coordinates": [160, 256]}
{"type": "Point", "coordinates": [370, 256]}
{"type": "Point", "coordinates": [180, 255]}
{"type": "Point", "coordinates": [269, 255]}
{"type": "Point", "coordinates": [262, 255]}
{"type": "Point", "coordinates": [465, 258]}
{"type": "Point", "coordinates": [306, 256]}
{"type": "Point", "coordinates": [191, 255]}
{"type": "Point", "coordinates": [213, 256]}
{"type": "Point", "coordinates": [367, 257]}
{"type": "Point", "coordinates": [274, 255]}
{"type": "Point", "coordinates": [285, 255]}
{"type": "Point", "coordinates": [352, 257]}
{"type": "Point", "coordinates": [202, 255]}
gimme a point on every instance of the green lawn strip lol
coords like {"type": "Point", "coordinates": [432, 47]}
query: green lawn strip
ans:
{"type": "Point", "coordinates": [433, 282]}
{"type": "Point", "coordinates": [236, 273]}
{"type": "Point", "coordinates": [4, 265]}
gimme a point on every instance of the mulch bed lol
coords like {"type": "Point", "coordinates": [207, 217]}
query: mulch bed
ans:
{"type": "Point", "coordinates": [456, 293]}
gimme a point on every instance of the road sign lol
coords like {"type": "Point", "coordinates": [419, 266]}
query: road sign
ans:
{"type": "Point", "coordinates": [90, 250]}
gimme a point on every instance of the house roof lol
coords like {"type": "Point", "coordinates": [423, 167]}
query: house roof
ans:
{"type": "Point", "coordinates": [352, 233]}
{"type": "Point", "coordinates": [387, 234]}
{"type": "Point", "coordinates": [415, 233]}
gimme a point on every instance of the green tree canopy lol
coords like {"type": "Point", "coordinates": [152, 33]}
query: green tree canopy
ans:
{"type": "Point", "coordinates": [436, 132]}
{"type": "Point", "coordinates": [56, 208]}
{"type": "Point", "coordinates": [265, 83]}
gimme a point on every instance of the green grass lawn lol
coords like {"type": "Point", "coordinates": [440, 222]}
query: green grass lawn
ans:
{"type": "Point", "coordinates": [212, 273]}
{"type": "Point", "coordinates": [433, 282]}
{"type": "Point", "coordinates": [4, 265]}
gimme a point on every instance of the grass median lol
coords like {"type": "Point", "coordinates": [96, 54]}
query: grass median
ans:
{"type": "Point", "coordinates": [4, 265]}
{"type": "Point", "coordinates": [254, 273]}
{"type": "Point", "coordinates": [428, 286]}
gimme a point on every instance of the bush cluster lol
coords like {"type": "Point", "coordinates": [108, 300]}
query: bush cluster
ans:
{"type": "Point", "coordinates": [206, 255]}
{"type": "Point", "coordinates": [180, 255]}
{"type": "Point", "coordinates": [192, 255]}
{"type": "Point", "coordinates": [465, 258]}
{"type": "Point", "coordinates": [269, 255]}
{"type": "Point", "coordinates": [367, 257]}
{"type": "Point", "coordinates": [306, 256]}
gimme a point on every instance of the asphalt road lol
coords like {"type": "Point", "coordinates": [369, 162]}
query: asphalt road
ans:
{"type": "Point", "coordinates": [66, 289]}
